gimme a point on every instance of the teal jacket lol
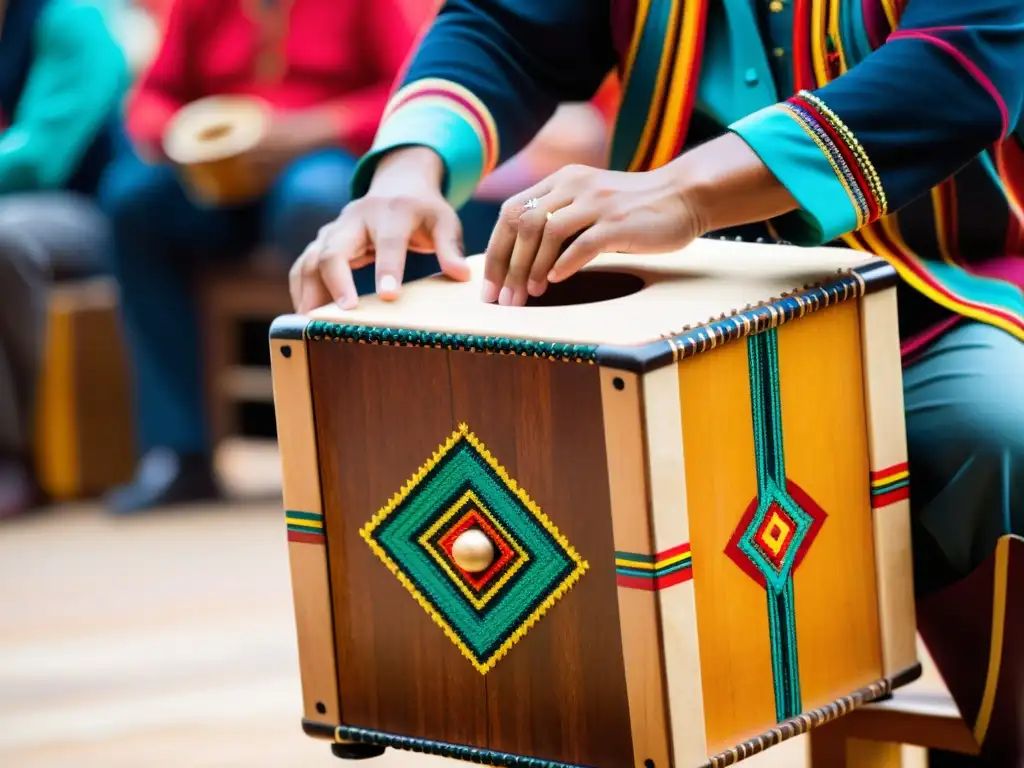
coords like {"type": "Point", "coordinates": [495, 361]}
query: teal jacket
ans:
{"type": "Point", "coordinates": [62, 79]}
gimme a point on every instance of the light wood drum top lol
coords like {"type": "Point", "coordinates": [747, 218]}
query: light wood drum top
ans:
{"type": "Point", "coordinates": [663, 294]}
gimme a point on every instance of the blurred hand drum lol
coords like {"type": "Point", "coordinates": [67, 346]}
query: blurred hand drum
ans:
{"type": "Point", "coordinates": [209, 140]}
{"type": "Point", "coordinates": [656, 519]}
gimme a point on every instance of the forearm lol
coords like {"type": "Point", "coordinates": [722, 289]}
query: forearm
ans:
{"type": "Point", "coordinates": [726, 184]}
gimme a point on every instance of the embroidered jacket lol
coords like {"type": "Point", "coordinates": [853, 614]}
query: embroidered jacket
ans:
{"type": "Point", "coordinates": [894, 123]}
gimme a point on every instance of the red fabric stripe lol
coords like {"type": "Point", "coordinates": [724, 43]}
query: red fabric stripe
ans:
{"type": "Point", "coordinates": [656, 584]}
{"type": "Point", "coordinates": [915, 344]}
{"type": "Point", "coordinates": [885, 499]}
{"type": "Point", "coordinates": [305, 538]}
{"type": "Point", "coordinates": [874, 209]}
{"type": "Point", "coordinates": [927, 278]}
{"type": "Point", "coordinates": [635, 582]}
{"type": "Point", "coordinates": [681, 549]}
{"type": "Point", "coordinates": [664, 582]}
{"type": "Point", "coordinates": [803, 72]}
{"type": "Point", "coordinates": [881, 474]}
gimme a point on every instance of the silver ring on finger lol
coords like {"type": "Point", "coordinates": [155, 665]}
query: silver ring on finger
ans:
{"type": "Point", "coordinates": [530, 204]}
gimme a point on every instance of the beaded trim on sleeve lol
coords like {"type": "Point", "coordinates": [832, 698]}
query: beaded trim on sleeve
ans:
{"type": "Point", "coordinates": [844, 153]}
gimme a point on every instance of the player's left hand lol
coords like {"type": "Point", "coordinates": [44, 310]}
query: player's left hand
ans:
{"type": "Point", "coordinates": [551, 230]}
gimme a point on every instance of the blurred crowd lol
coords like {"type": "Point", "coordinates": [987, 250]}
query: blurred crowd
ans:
{"type": "Point", "coordinates": [96, 179]}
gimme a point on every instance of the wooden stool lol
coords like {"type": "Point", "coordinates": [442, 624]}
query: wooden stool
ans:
{"type": "Point", "coordinates": [83, 435]}
{"type": "Point", "coordinates": [256, 289]}
{"type": "Point", "coordinates": [922, 715]}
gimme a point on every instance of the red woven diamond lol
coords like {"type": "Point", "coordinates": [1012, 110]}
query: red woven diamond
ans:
{"type": "Point", "coordinates": [473, 519]}
{"type": "Point", "coordinates": [775, 535]}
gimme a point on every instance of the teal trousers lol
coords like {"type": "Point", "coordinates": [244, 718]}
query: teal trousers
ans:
{"type": "Point", "coordinates": [964, 403]}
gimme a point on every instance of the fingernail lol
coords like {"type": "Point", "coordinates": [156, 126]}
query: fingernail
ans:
{"type": "Point", "coordinates": [505, 298]}
{"type": "Point", "coordinates": [535, 287]}
{"type": "Point", "coordinates": [553, 276]}
{"type": "Point", "coordinates": [388, 284]}
{"type": "Point", "coordinates": [489, 292]}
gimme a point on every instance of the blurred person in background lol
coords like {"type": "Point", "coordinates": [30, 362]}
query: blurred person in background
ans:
{"type": "Point", "coordinates": [62, 77]}
{"type": "Point", "coordinates": [326, 71]}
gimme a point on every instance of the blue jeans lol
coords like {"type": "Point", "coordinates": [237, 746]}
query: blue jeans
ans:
{"type": "Point", "coordinates": [159, 236]}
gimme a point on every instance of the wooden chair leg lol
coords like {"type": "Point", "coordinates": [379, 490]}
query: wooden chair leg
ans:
{"type": "Point", "coordinates": [220, 337]}
{"type": "Point", "coordinates": [828, 746]}
{"type": "Point", "coordinates": [832, 747]}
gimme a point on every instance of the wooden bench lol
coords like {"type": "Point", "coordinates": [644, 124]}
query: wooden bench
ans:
{"type": "Point", "coordinates": [83, 435]}
{"type": "Point", "coordinates": [254, 290]}
{"type": "Point", "coordinates": [921, 715]}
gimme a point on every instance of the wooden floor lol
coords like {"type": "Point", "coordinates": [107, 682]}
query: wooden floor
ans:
{"type": "Point", "coordinates": [165, 641]}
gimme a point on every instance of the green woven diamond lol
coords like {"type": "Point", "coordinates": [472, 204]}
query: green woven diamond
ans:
{"type": "Point", "coordinates": [545, 568]}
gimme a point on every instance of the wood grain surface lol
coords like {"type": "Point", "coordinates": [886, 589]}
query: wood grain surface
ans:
{"type": "Point", "coordinates": [166, 641]}
{"type": "Point", "coordinates": [560, 692]}
{"type": "Point", "coordinates": [380, 413]}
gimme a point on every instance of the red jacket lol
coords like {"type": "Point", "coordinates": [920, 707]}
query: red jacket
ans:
{"type": "Point", "coordinates": [343, 53]}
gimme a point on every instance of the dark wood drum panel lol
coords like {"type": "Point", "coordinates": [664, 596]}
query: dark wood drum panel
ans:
{"type": "Point", "coordinates": [380, 412]}
{"type": "Point", "coordinates": [561, 692]}
{"type": "Point", "coordinates": [418, 446]}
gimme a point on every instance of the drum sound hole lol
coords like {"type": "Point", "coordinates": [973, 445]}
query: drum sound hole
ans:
{"type": "Point", "coordinates": [214, 132]}
{"type": "Point", "coordinates": [588, 288]}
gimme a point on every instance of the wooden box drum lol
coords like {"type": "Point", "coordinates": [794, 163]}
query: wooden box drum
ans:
{"type": "Point", "coordinates": [658, 518]}
{"type": "Point", "coordinates": [209, 141]}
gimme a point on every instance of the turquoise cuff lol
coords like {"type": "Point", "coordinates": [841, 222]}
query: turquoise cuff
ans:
{"type": "Point", "coordinates": [439, 128]}
{"type": "Point", "coordinates": [827, 208]}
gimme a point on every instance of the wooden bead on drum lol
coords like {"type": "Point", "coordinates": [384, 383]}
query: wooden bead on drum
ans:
{"type": "Point", "coordinates": [472, 551]}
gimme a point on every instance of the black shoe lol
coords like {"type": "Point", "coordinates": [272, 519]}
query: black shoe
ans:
{"type": "Point", "coordinates": [18, 492]}
{"type": "Point", "coordinates": [163, 478]}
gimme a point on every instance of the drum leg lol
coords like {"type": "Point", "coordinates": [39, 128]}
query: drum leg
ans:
{"type": "Point", "coordinates": [832, 747]}
{"type": "Point", "coordinates": [356, 751]}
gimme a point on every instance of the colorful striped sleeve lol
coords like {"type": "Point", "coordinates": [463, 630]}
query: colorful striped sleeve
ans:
{"type": "Point", "coordinates": [948, 83]}
{"type": "Point", "coordinates": [486, 78]}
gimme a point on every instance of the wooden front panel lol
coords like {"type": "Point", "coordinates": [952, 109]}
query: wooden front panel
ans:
{"type": "Point", "coordinates": [890, 482]}
{"type": "Point", "coordinates": [307, 547]}
{"type": "Point", "coordinates": [636, 567]}
{"type": "Point", "coordinates": [732, 624]}
{"type": "Point", "coordinates": [774, 435]}
{"type": "Point", "coordinates": [379, 413]}
{"type": "Point", "coordinates": [827, 454]}
{"type": "Point", "coordinates": [559, 692]}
